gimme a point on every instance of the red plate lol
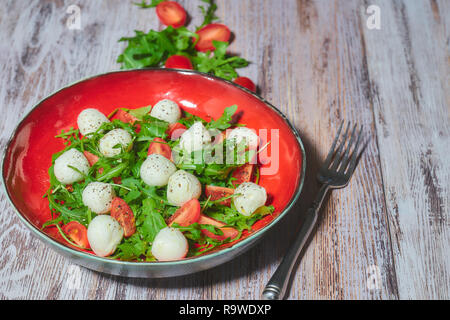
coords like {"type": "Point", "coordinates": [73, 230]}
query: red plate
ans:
{"type": "Point", "coordinates": [28, 155]}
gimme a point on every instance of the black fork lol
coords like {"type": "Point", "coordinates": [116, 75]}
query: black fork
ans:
{"type": "Point", "coordinates": [335, 173]}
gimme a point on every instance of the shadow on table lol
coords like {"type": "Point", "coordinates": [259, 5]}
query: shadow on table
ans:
{"type": "Point", "coordinates": [268, 251]}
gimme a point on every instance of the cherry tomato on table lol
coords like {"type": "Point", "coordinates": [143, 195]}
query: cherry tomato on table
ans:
{"type": "Point", "coordinates": [246, 83]}
{"type": "Point", "coordinates": [178, 62]}
{"type": "Point", "coordinates": [171, 13]}
{"type": "Point", "coordinates": [210, 32]}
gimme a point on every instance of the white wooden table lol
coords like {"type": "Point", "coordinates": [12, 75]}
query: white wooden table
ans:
{"type": "Point", "coordinates": [385, 236]}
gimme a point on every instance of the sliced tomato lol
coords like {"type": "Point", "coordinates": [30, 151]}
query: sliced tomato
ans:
{"type": "Point", "coordinates": [246, 83]}
{"type": "Point", "coordinates": [124, 116]}
{"type": "Point", "coordinates": [178, 62]}
{"type": "Point", "coordinates": [219, 192]}
{"type": "Point", "coordinates": [210, 32]}
{"type": "Point", "coordinates": [122, 212]}
{"type": "Point", "coordinates": [159, 146]}
{"type": "Point", "coordinates": [187, 214]}
{"type": "Point", "coordinates": [202, 247]}
{"type": "Point", "coordinates": [69, 188]}
{"type": "Point", "coordinates": [91, 158]}
{"type": "Point", "coordinates": [77, 233]}
{"type": "Point", "coordinates": [228, 232]}
{"type": "Point", "coordinates": [243, 174]}
{"type": "Point", "coordinates": [171, 13]}
{"type": "Point", "coordinates": [176, 130]}
{"type": "Point", "coordinates": [117, 180]}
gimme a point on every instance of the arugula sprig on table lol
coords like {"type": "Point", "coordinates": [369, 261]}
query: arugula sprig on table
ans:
{"type": "Point", "coordinates": [153, 48]}
{"type": "Point", "coordinates": [153, 3]}
{"type": "Point", "coordinates": [209, 14]}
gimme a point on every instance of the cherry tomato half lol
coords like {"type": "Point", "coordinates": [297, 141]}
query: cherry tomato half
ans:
{"type": "Point", "coordinates": [187, 214]}
{"type": "Point", "coordinates": [243, 174]}
{"type": "Point", "coordinates": [176, 130]}
{"type": "Point", "coordinates": [228, 232]}
{"type": "Point", "coordinates": [124, 116]}
{"type": "Point", "coordinates": [77, 233]}
{"type": "Point", "coordinates": [161, 147]}
{"type": "Point", "coordinates": [178, 62]}
{"type": "Point", "coordinates": [219, 192]}
{"type": "Point", "coordinates": [91, 158]}
{"type": "Point", "coordinates": [171, 13]}
{"type": "Point", "coordinates": [210, 32]}
{"type": "Point", "coordinates": [122, 212]}
{"type": "Point", "coordinates": [246, 83]}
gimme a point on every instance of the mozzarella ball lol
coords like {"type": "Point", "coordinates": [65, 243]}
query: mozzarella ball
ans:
{"type": "Point", "coordinates": [98, 196]}
{"type": "Point", "coordinates": [195, 138]}
{"type": "Point", "coordinates": [182, 187]}
{"type": "Point", "coordinates": [166, 110]}
{"type": "Point", "coordinates": [156, 170]}
{"type": "Point", "coordinates": [89, 120]}
{"type": "Point", "coordinates": [74, 158]}
{"type": "Point", "coordinates": [169, 244]}
{"type": "Point", "coordinates": [252, 197]}
{"type": "Point", "coordinates": [104, 235]}
{"type": "Point", "coordinates": [113, 138]}
{"type": "Point", "coordinates": [244, 134]}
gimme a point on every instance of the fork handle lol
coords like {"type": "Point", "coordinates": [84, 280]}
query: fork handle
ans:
{"type": "Point", "coordinates": [277, 285]}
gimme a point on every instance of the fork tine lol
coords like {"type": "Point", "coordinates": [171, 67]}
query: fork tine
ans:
{"type": "Point", "coordinates": [346, 158]}
{"type": "Point", "coordinates": [337, 158]}
{"type": "Point", "coordinates": [330, 154]}
{"type": "Point", "coordinates": [352, 165]}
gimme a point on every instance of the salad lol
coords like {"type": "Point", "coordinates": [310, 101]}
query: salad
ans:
{"type": "Point", "coordinates": [155, 183]}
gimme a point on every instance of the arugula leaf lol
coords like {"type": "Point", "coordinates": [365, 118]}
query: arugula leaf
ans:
{"type": "Point", "coordinates": [189, 119]}
{"type": "Point", "coordinates": [152, 220]}
{"type": "Point", "coordinates": [220, 63]}
{"type": "Point", "coordinates": [224, 122]}
{"type": "Point", "coordinates": [152, 128]}
{"type": "Point", "coordinates": [134, 248]}
{"type": "Point", "coordinates": [209, 15]}
{"type": "Point", "coordinates": [153, 48]}
{"type": "Point", "coordinates": [144, 5]}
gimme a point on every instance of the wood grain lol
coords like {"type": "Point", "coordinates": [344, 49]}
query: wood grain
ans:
{"type": "Point", "coordinates": [411, 106]}
{"type": "Point", "coordinates": [320, 64]}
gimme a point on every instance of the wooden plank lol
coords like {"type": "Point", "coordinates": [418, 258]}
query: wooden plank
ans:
{"type": "Point", "coordinates": [309, 59]}
{"type": "Point", "coordinates": [40, 54]}
{"type": "Point", "coordinates": [329, 84]}
{"type": "Point", "coordinates": [408, 66]}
